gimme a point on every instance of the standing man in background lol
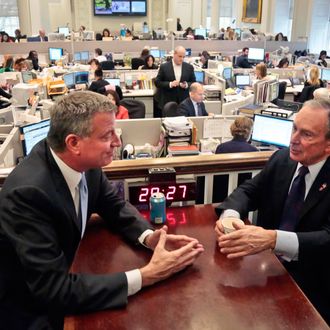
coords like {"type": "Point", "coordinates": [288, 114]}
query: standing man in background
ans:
{"type": "Point", "coordinates": [174, 79]}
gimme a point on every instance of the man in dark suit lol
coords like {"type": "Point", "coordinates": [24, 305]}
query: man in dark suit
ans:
{"type": "Point", "coordinates": [193, 105]}
{"type": "Point", "coordinates": [43, 218]}
{"type": "Point", "coordinates": [242, 61]}
{"type": "Point", "coordinates": [174, 79]}
{"type": "Point", "coordinates": [298, 232]}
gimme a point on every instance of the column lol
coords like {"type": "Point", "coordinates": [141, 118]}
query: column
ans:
{"type": "Point", "coordinates": [215, 14]}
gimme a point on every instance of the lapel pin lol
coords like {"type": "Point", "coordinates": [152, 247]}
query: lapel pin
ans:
{"type": "Point", "coordinates": [323, 186]}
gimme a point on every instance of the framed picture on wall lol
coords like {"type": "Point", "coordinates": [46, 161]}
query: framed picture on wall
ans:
{"type": "Point", "coordinates": [252, 11]}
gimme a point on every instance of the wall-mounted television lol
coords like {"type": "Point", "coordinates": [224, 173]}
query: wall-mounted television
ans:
{"type": "Point", "coordinates": [120, 7]}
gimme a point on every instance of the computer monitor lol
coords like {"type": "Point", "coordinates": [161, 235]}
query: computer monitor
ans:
{"type": "Point", "coordinates": [55, 54]}
{"type": "Point", "coordinates": [155, 53]}
{"type": "Point", "coordinates": [227, 73]}
{"type": "Point", "coordinates": [162, 53]}
{"type": "Point", "coordinates": [201, 32]}
{"type": "Point", "coordinates": [212, 65]}
{"type": "Point", "coordinates": [33, 133]}
{"type": "Point", "coordinates": [242, 80]}
{"type": "Point", "coordinates": [273, 90]}
{"type": "Point", "coordinates": [56, 36]}
{"type": "Point", "coordinates": [81, 77]}
{"type": "Point", "coordinates": [113, 81]}
{"type": "Point", "coordinates": [27, 76]}
{"type": "Point", "coordinates": [188, 51]}
{"type": "Point", "coordinates": [88, 35]}
{"type": "Point", "coordinates": [69, 80]}
{"type": "Point", "coordinates": [200, 75]}
{"type": "Point", "coordinates": [272, 130]}
{"type": "Point", "coordinates": [325, 74]}
{"type": "Point", "coordinates": [65, 30]}
{"type": "Point", "coordinates": [84, 55]}
{"type": "Point", "coordinates": [77, 56]}
{"type": "Point", "coordinates": [256, 55]}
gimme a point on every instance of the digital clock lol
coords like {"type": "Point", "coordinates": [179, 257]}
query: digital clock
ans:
{"type": "Point", "coordinates": [173, 192]}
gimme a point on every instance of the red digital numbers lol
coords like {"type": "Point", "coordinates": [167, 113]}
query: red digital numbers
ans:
{"type": "Point", "coordinates": [171, 193]}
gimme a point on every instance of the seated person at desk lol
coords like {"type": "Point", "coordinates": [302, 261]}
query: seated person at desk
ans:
{"type": "Point", "coordinates": [99, 56]}
{"type": "Point", "coordinates": [283, 63]}
{"type": "Point", "coordinates": [261, 72]}
{"type": "Point", "coordinates": [241, 130]}
{"type": "Point", "coordinates": [33, 60]}
{"type": "Point", "coordinates": [98, 83]}
{"type": "Point", "coordinates": [204, 59]}
{"type": "Point", "coordinates": [314, 78]}
{"type": "Point", "coordinates": [106, 33]}
{"type": "Point", "coordinates": [242, 60]}
{"type": "Point", "coordinates": [149, 63]}
{"type": "Point", "coordinates": [112, 95]}
{"type": "Point", "coordinates": [193, 105]}
{"type": "Point", "coordinates": [8, 62]}
{"type": "Point", "coordinates": [174, 78]}
{"type": "Point", "coordinates": [321, 61]}
{"type": "Point", "coordinates": [52, 206]}
{"type": "Point", "coordinates": [292, 197]}
{"type": "Point", "coordinates": [20, 65]}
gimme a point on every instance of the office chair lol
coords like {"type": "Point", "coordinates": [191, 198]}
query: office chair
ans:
{"type": "Point", "coordinates": [136, 63]}
{"type": "Point", "coordinates": [136, 108]}
{"type": "Point", "coordinates": [306, 94]}
{"type": "Point", "coordinates": [107, 65]}
{"type": "Point", "coordinates": [170, 109]}
{"type": "Point", "coordinates": [281, 90]}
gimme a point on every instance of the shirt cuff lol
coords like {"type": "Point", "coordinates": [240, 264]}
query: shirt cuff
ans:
{"type": "Point", "coordinates": [230, 213]}
{"type": "Point", "coordinates": [287, 245]}
{"type": "Point", "coordinates": [143, 236]}
{"type": "Point", "coordinates": [134, 281]}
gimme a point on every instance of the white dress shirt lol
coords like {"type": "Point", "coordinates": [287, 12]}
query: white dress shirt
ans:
{"type": "Point", "coordinates": [72, 178]}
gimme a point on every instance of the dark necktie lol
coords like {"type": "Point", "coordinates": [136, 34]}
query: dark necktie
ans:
{"type": "Point", "coordinates": [199, 109]}
{"type": "Point", "coordinates": [294, 202]}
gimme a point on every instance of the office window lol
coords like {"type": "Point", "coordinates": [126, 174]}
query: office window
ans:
{"type": "Point", "coordinates": [9, 21]}
{"type": "Point", "coordinates": [226, 17]}
{"type": "Point", "coordinates": [283, 17]}
{"type": "Point", "coordinates": [320, 27]}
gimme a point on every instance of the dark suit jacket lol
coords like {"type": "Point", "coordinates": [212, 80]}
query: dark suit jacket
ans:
{"type": "Point", "coordinates": [186, 108]}
{"type": "Point", "coordinates": [39, 237]}
{"type": "Point", "coordinates": [165, 76]}
{"type": "Point", "coordinates": [267, 192]}
{"type": "Point", "coordinates": [235, 145]}
{"type": "Point", "coordinates": [242, 62]}
{"type": "Point", "coordinates": [96, 86]}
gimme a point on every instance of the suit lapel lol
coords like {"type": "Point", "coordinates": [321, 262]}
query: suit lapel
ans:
{"type": "Point", "coordinates": [319, 188]}
{"type": "Point", "coordinates": [63, 196]}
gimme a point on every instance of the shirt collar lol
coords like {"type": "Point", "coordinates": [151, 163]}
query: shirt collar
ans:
{"type": "Point", "coordinates": [71, 176]}
{"type": "Point", "coordinates": [313, 169]}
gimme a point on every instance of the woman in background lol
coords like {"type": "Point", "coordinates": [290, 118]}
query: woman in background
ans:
{"type": "Point", "coordinates": [122, 112]}
{"type": "Point", "coordinates": [322, 57]}
{"type": "Point", "coordinates": [149, 63]}
{"type": "Point", "coordinates": [106, 33]}
{"type": "Point", "coordinates": [283, 63]}
{"type": "Point", "coordinates": [314, 78]}
{"type": "Point", "coordinates": [241, 130]}
{"type": "Point", "coordinates": [204, 58]}
{"type": "Point", "coordinates": [20, 65]}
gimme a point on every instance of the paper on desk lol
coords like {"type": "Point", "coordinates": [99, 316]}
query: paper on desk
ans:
{"type": "Point", "coordinates": [217, 127]}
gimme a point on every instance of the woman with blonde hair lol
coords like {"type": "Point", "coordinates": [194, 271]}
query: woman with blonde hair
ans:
{"type": "Point", "coordinates": [314, 78]}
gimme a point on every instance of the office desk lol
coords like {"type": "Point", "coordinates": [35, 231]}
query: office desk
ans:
{"type": "Point", "coordinates": [254, 292]}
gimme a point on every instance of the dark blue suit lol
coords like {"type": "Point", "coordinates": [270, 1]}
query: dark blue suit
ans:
{"type": "Point", "coordinates": [242, 62]}
{"type": "Point", "coordinates": [267, 193]}
{"type": "Point", "coordinates": [186, 108]}
{"type": "Point", "coordinates": [235, 145]}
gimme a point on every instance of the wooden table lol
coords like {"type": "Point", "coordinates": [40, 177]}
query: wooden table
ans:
{"type": "Point", "coordinates": [254, 292]}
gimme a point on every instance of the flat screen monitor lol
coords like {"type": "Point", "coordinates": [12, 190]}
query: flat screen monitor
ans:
{"type": "Point", "coordinates": [81, 77]}
{"type": "Point", "coordinates": [273, 90]}
{"type": "Point", "coordinates": [242, 80]}
{"type": "Point", "coordinates": [256, 54]}
{"type": "Point", "coordinates": [77, 56]}
{"type": "Point", "coordinates": [113, 81]}
{"type": "Point", "coordinates": [272, 130]}
{"type": "Point", "coordinates": [69, 79]}
{"type": "Point", "coordinates": [65, 30]}
{"type": "Point", "coordinates": [201, 32]}
{"type": "Point", "coordinates": [33, 133]}
{"type": "Point", "coordinates": [55, 54]}
{"type": "Point", "coordinates": [27, 76]}
{"type": "Point", "coordinates": [120, 8]}
{"type": "Point", "coordinates": [155, 53]}
{"type": "Point", "coordinates": [325, 75]}
{"type": "Point", "coordinates": [188, 51]}
{"type": "Point", "coordinates": [200, 76]}
{"type": "Point", "coordinates": [84, 55]}
{"type": "Point", "coordinates": [162, 53]}
{"type": "Point", "coordinates": [227, 73]}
